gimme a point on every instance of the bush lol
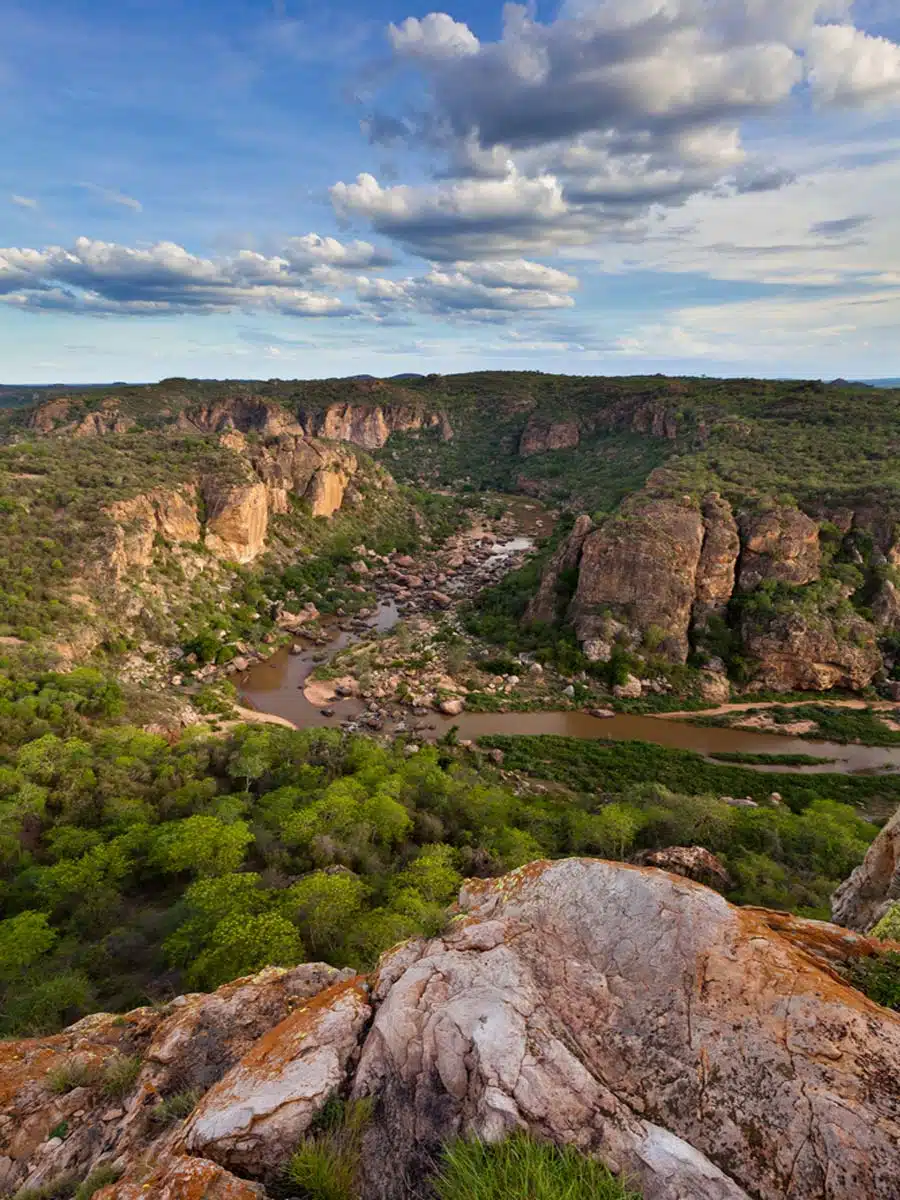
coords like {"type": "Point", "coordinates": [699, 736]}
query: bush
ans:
{"type": "Point", "coordinates": [176, 1107]}
{"type": "Point", "coordinates": [888, 928]}
{"type": "Point", "coordinates": [521, 1167]}
{"type": "Point", "coordinates": [879, 978]}
{"type": "Point", "coordinates": [100, 1177]}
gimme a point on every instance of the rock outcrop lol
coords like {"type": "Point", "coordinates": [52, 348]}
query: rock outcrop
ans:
{"type": "Point", "coordinates": [645, 1020]}
{"type": "Point", "coordinates": [540, 436]}
{"type": "Point", "coordinates": [705, 1051]}
{"type": "Point", "coordinates": [638, 577]}
{"type": "Point", "coordinates": [57, 417]}
{"type": "Point", "coordinates": [862, 900]}
{"type": "Point", "coordinates": [796, 652]}
{"type": "Point", "coordinates": [370, 425]}
{"type": "Point", "coordinates": [782, 545]}
{"type": "Point", "coordinates": [231, 517]}
{"type": "Point", "coordinates": [544, 605]}
{"type": "Point", "coordinates": [246, 414]}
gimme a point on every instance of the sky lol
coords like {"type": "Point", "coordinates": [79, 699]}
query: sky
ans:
{"type": "Point", "coordinates": [297, 189]}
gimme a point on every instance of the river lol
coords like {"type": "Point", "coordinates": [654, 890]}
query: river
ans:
{"type": "Point", "coordinates": [276, 687]}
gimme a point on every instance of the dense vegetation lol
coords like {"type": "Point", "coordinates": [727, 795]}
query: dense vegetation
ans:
{"type": "Point", "coordinates": [863, 726]}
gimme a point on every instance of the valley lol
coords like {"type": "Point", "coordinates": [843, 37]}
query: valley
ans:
{"type": "Point", "coordinates": [293, 672]}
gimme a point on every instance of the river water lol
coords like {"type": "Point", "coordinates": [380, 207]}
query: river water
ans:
{"type": "Point", "coordinates": [276, 687]}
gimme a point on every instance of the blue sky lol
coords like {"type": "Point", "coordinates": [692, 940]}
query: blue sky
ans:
{"type": "Point", "coordinates": [282, 188]}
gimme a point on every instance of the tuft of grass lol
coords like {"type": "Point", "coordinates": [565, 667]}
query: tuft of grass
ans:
{"type": "Point", "coordinates": [120, 1075]}
{"type": "Point", "coordinates": [177, 1107]}
{"type": "Point", "coordinates": [59, 1131]}
{"type": "Point", "coordinates": [100, 1177]}
{"type": "Point", "coordinates": [68, 1076]}
{"type": "Point", "coordinates": [523, 1167]}
{"type": "Point", "coordinates": [325, 1164]}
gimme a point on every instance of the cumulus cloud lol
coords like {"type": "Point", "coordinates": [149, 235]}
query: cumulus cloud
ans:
{"type": "Point", "coordinates": [848, 66]}
{"type": "Point", "coordinates": [23, 201]}
{"type": "Point", "coordinates": [104, 277]}
{"type": "Point", "coordinates": [614, 108]}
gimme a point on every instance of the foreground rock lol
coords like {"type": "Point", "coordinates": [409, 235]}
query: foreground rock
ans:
{"type": "Point", "coordinates": [691, 862]}
{"type": "Point", "coordinates": [863, 899]}
{"type": "Point", "coordinates": [708, 1052]}
{"type": "Point", "coordinates": [645, 1020]}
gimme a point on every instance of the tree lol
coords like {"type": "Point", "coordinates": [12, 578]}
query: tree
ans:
{"type": "Point", "coordinates": [325, 906]}
{"type": "Point", "coordinates": [201, 845]}
{"type": "Point", "coordinates": [23, 940]}
{"type": "Point", "coordinates": [241, 945]}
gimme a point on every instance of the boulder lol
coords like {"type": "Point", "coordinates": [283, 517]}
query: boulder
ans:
{"type": "Point", "coordinates": [863, 899]}
{"type": "Point", "coordinates": [631, 689]}
{"type": "Point", "coordinates": [452, 707]}
{"type": "Point", "coordinates": [714, 688]}
{"type": "Point", "coordinates": [252, 1119]}
{"type": "Point", "coordinates": [178, 1177]}
{"type": "Point", "coordinates": [643, 1019]}
{"type": "Point", "coordinates": [692, 862]}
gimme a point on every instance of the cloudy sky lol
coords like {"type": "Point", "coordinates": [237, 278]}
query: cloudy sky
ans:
{"type": "Point", "coordinates": [284, 188]}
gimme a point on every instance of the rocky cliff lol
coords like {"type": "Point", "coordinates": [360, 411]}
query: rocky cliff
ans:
{"type": "Point", "coordinates": [229, 513]}
{"type": "Point", "coordinates": [706, 1052]}
{"type": "Point", "coordinates": [652, 578]}
{"type": "Point", "coordinates": [370, 425]}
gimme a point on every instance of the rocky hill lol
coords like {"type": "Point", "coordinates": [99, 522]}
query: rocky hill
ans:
{"type": "Point", "coordinates": [702, 1052]}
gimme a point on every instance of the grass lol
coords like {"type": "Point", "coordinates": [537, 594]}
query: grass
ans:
{"type": "Point", "coordinates": [325, 1164]}
{"type": "Point", "coordinates": [74, 1073]}
{"type": "Point", "coordinates": [120, 1075]}
{"type": "Point", "coordinates": [524, 1169]}
{"type": "Point", "coordinates": [609, 766]}
{"type": "Point", "coordinates": [100, 1177]}
{"type": "Point", "coordinates": [176, 1107]}
{"type": "Point", "coordinates": [67, 1187]}
{"type": "Point", "coordinates": [863, 727]}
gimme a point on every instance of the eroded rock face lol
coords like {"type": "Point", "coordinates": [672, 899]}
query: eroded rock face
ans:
{"type": "Point", "coordinates": [863, 899]}
{"type": "Point", "coordinates": [168, 512]}
{"type": "Point", "coordinates": [718, 559]}
{"type": "Point", "coordinates": [252, 1120]}
{"type": "Point", "coordinates": [541, 436]}
{"type": "Point", "coordinates": [645, 1020]}
{"type": "Point", "coordinates": [544, 605]}
{"type": "Point", "coordinates": [177, 1177]}
{"type": "Point", "coordinates": [794, 652]}
{"type": "Point", "coordinates": [369, 425]}
{"type": "Point", "coordinates": [638, 573]}
{"type": "Point", "coordinates": [237, 520]}
{"type": "Point", "coordinates": [783, 545]}
{"type": "Point", "coordinates": [246, 414]}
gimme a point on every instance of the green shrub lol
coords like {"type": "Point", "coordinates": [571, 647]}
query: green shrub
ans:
{"type": "Point", "coordinates": [61, 1187]}
{"type": "Point", "coordinates": [888, 928]}
{"type": "Point", "coordinates": [74, 1073]}
{"type": "Point", "coordinates": [521, 1168]}
{"type": "Point", "coordinates": [120, 1075]}
{"type": "Point", "coordinates": [879, 978]}
{"type": "Point", "coordinates": [325, 1164]}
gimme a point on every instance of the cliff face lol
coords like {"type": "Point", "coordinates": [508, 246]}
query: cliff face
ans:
{"type": "Point", "coordinates": [370, 426]}
{"type": "Point", "coordinates": [653, 577]}
{"type": "Point", "coordinates": [544, 605]}
{"type": "Point", "coordinates": [541, 436]}
{"type": "Point", "coordinates": [638, 574]}
{"type": "Point", "coordinates": [708, 1052]}
{"type": "Point", "coordinates": [863, 899]}
{"type": "Point", "coordinates": [230, 518]}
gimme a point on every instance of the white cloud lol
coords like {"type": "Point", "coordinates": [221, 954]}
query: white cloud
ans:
{"type": "Point", "coordinates": [615, 108]}
{"type": "Point", "coordinates": [848, 66]}
{"type": "Point", "coordinates": [23, 201]}
{"type": "Point", "coordinates": [436, 37]}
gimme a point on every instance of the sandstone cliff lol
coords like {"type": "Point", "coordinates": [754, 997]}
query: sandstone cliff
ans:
{"type": "Point", "coordinates": [707, 1052]}
{"type": "Point", "coordinates": [230, 513]}
{"type": "Point", "coordinates": [370, 426]}
{"type": "Point", "coordinates": [638, 578]}
{"type": "Point", "coordinates": [541, 436]}
{"type": "Point", "coordinates": [544, 605]}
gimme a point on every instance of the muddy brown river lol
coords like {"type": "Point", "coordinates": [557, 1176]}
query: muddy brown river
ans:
{"type": "Point", "coordinates": [276, 686]}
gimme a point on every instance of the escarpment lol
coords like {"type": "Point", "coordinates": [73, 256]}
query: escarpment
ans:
{"type": "Point", "coordinates": [370, 426]}
{"type": "Point", "coordinates": [702, 1051]}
